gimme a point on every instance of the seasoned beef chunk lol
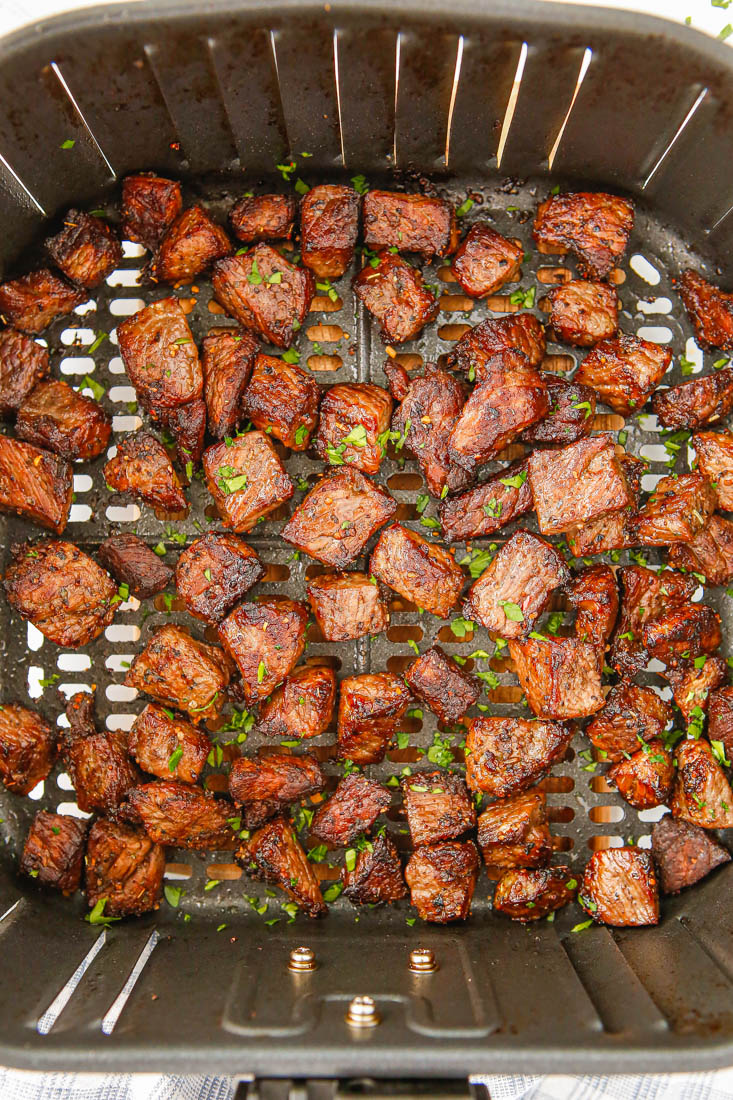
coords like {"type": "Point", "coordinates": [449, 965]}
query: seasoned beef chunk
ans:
{"type": "Point", "coordinates": [274, 777]}
{"type": "Point", "coordinates": [624, 371]}
{"type": "Point", "coordinates": [23, 363]}
{"type": "Point", "coordinates": [35, 483]}
{"type": "Point", "coordinates": [438, 806]}
{"type": "Point", "coordinates": [27, 748]}
{"type": "Point", "coordinates": [513, 832]}
{"type": "Point", "coordinates": [594, 595]}
{"type": "Point", "coordinates": [266, 638]}
{"type": "Point", "coordinates": [187, 425]}
{"type": "Point", "coordinates": [227, 358]}
{"type": "Point", "coordinates": [150, 205]}
{"type": "Point", "coordinates": [720, 718]}
{"type": "Point", "coordinates": [503, 497]}
{"type": "Point", "coordinates": [192, 243]}
{"type": "Point", "coordinates": [369, 712]}
{"type": "Point", "coordinates": [646, 779]}
{"type": "Point", "coordinates": [702, 794]}
{"type": "Point", "coordinates": [282, 400]}
{"type": "Point", "coordinates": [594, 226]}
{"type": "Point", "coordinates": [646, 595]}
{"type": "Point", "coordinates": [86, 250]}
{"type": "Point", "coordinates": [561, 677]}
{"type": "Point", "coordinates": [398, 379]}
{"type": "Point", "coordinates": [441, 683]}
{"type": "Point", "coordinates": [214, 573]}
{"type": "Point", "coordinates": [124, 868]}
{"type": "Point", "coordinates": [168, 746]}
{"type": "Point", "coordinates": [265, 293]}
{"type": "Point", "coordinates": [442, 879]}
{"type": "Point", "coordinates": [686, 630]}
{"type": "Point", "coordinates": [335, 521]}
{"type": "Point", "coordinates": [499, 338]}
{"type": "Point", "coordinates": [394, 293]}
{"type": "Point", "coordinates": [377, 875]}
{"type": "Point", "coordinates": [181, 815]}
{"type": "Point", "coordinates": [570, 412]}
{"type": "Point", "coordinates": [714, 452]}
{"type": "Point", "coordinates": [485, 261]}
{"type": "Point", "coordinates": [142, 467]}
{"type": "Point", "coordinates": [61, 590]}
{"type": "Point", "coordinates": [61, 420]}
{"type": "Point", "coordinates": [348, 605]}
{"type": "Point", "coordinates": [513, 590]}
{"type": "Point", "coordinates": [132, 562]}
{"type": "Point", "coordinates": [274, 854]}
{"type": "Point", "coordinates": [177, 669]}
{"type": "Point", "coordinates": [710, 310]}
{"type": "Point", "coordinates": [409, 223]}
{"type": "Point", "coordinates": [620, 888]}
{"type": "Point", "coordinates": [35, 300]}
{"type": "Point", "coordinates": [98, 764]}
{"type": "Point", "coordinates": [351, 810]}
{"type": "Point", "coordinates": [264, 218]}
{"type": "Point", "coordinates": [329, 225]}
{"type": "Point", "coordinates": [531, 894]}
{"type": "Point", "coordinates": [303, 706]}
{"type": "Point", "coordinates": [160, 356]}
{"type": "Point", "coordinates": [507, 755]}
{"type": "Point", "coordinates": [612, 530]}
{"type": "Point", "coordinates": [247, 480]}
{"type": "Point", "coordinates": [354, 425]}
{"type": "Point", "coordinates": [577, 483]}
{"type": "Point", "coordinates": [417, 569]}
{"type": "Point", "coordinates": [53, 853]}
{"type": "Point", "coordinates": [583, 313]}
{"type": "Point", "coordinates": [676, 510]}
{"type": "Point", "coordinates": [429, 408]}
{"type": "Point", "coordinates": [697, 403]}
{"type": "Point", "coordinates": [692, 685]}
{"type": "Point", "coordinates": [631, 715]}
{"type": "Point", "coordinates": [684, 853]}
{"type": "Point", "coordinates": [710, 552]}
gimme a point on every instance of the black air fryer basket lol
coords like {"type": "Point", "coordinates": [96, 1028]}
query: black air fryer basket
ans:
{"type": "Point", "coordinates": [496, 100]}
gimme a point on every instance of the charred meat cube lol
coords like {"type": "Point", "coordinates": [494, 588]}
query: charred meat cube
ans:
{"type": "Point", "coordinates": [274, 777]}
{"type": "Point", "coordinates": [631, 714]}
{"type": "Point", "coordinates": [646, 779]}
{"type": "Point", "coordinates": [86, 250]}
{"type": "Point", "coordinates": [693, 683]}
{"type": "Point", "coordinates": [124, 869]}
{"type": "Point", "coordinates": [485, 261]}
{"type": "Point", "coordinates": [697, 403]}
{"type": "Point", "coordinates": [351, 810]}
{"type": "Point", "coordinates": [265, 293]}
{"type": "Point", "coordinates": [526, 895]}
{"type": "Point", "coordinates": [274, 854]}
{"type": "Point", "coordinates": [613, 530]}
{"type": "Point", "coordinates": [27, 748]}
{"type": "Point", "coordinates": [394, 293]}
{"type": "Point", "coordinates": [646, 594]}
{"type": "Point", "coordinates": [686, 630]}
{"type": "Point", "coordinates": [23, 363]}
{"type": "Point", "coordinates": [177, 669]}
{"type": "Point", "coordinates": [507, 755]}
{"type": "Point", "coordinates": [167, 745]}
{"type": "Point", "coordinates": [702, 794]}
{"type": "Point", "coordinates": [369, 712]}
{"type": "Point", "coordinates": [441, 683]}
{"type": "Point", "coordinates": [714, 452]}
{"type": "Point", "coordinates": [32, 302]}
{"type": "Point", "coordinates": [282, 400]}
{"type": "Point", "coordinates": [583, 313]}
{"type": "Point", "coordinates": [227, 358]}
{"type": "Point", "coordinates": [561, 677]}
{"type": "Point", "coordinates": [354, 425]}
{"type": "Point", "coordinates": [329, 225]}
{"type": "Point", "coordinates": [303, 706]}
{"type": "Point", "coordinates": [593, 225]}
{"type": "Point", "coordinates": [61, 590]}
{"type": "Point", "coordinates": [335, 521]}
{"type": "Point", "coordinates": [503, 497]}
{"type": "Point", "coordinates": [214, 572]}
{"type": "Point", "coordinates": [160, 356]}
{"type": "Point", "coordinates": [418, 570]}
{"type": "Point", "coordinates": [192, 243]}
{"type": "Point", "coordinates": [398, 379]}
{"type": "Point", "coordinates": [61, 420]}
{"type": "Point", "coordinates": [264, 218]}
{"type": "Point", "coordinates": [132, 562]}
{"type": "Point", "coordinates": [35, 483]}
{"type": "Point", "coordinates": [720, 718]}
{"type": "Point", "coordinates": [428, 411]}
{"type": "Point", "coordinates": [624, 371]}
{"type": "Point", "coordinates": [710, 552]}
{"type": "Point", "coordinates": [53, 853]}
{"type": "Point", "coordinates": [377, 875]}
{"type": "Point", "coordinates": [577, 483]}
{"type": "Point", "coordinates": [187, 425]}
{"type": "Point", "coordinates": [142, 468]}
{"type": "Point", "coordinates": [676, 510]}
{"type": "Point", "coordinates": [571, 408]}
{"type": "Point", "coordinates": [513, 832]}
{"type": "Point", "coordinates": [684, 853]}
{"type": "Point", "coordinates": [499, 338]}
{"type": "Point", "coordinates": [710, 310]}
{"type": "Point", "coordinates": [438, 806]}
{"type": "Point", "coordinates": [513, 590]}
{"type": "Point", "coordinates": [266, 638]}
{"type": "Point", "coordinates": [150, 205]}
{"type": "Point", "coordinates": [181, 815]}
{"type": "Point", "coordinates": [620, 888]}
{"type": "Point", "coordinates": [247, 480]}
{"type": "Point", "coordinates": [409, 223]}
{"type": "Point", "coordinates": [99, 767]}
{"type": "Point", "coordinates": [442, 879]}
{"type": "Point", "coordinates": [594, 595]}
{"type": "Point", "coordinates": [348, 605]}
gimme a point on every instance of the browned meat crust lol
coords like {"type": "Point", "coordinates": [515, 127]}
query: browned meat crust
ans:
{"type": "Point", "coordinates": [513, 832]}
{"type": "Point", "coordinates": [714, 452]}
{"type": "Point", "coordinates": [150, 205]}
{"type": "Point", "coordinates": [182, 816]}
{"type": "Point", "coordinates": [624, 371]}
{"type": "Point", "coordinates": [409, 223]}
{"type": "Point", "coordinates": [447, 689]}
{"type": "Point", "coordinates": [23, 363]}
{"type": "Point", "coordinates": [98, 763]}
{"type": "Point", "coordinates": [377, 875]}
{"type": "Point", "coordinates": [394, 293]}
{"type": "Point", "coordinates": [227, 358]}
{"type": "Point", "coordinates": [507, 755]}
{"type": "Point", "coordinates": [86, 249]}
{"type": "Point", "coordinates": [561, 677]}
{"type": "Point", "coordinates": [329, 225]}
{"type": "Point", "coordinates": [303, 706]}
{"type": "Point", "coordinates": [61, 420]}
{"type": "Point", "coordinates": [710, 310]}
{"type": "Point", "coordinates": [631, 715]}
{"type": "Point", "coordinates": [282, 400]}
{"type": "Point", "coordinates": [645, 595]}
{"type": "Point", "coordinates": [274, 854]}
{"type": "Point", "coordinates": [612, 530]}
{"type": "Point", "coordinates": [684, 853]}
{"type": "Point", "coordinates": [417, 569]}
{"type": "Point", "coordinates": [132, 562]}
{"type": "Point", "coordinates": [438, 806]}
{"type": "Point", "coordinates": [583, 313]}
{"type": "Point", "coordinates": [577, 483]}
{"type": "Point", "coordinates": [429, 408]}
{"type": "Point", "coordinates": [676, 511]}
{"type": "Point", "coordinates": [35, 483]}
{"type": "Point", "coordinates": [266, 638]}
{"type": "Point", "coordinates": [35, 300]}
{"type": "Point", "coordinates": [247, 480]}
{"type": "Point", "coordinates": [646, 779]}
{"type": "Point", "coordinates": [264, 218]}
{"type": "Point", "coordinates": [214, 573]}
{"type": "Point", "coordinates": [527, 895]}
{"type": "Point", "coordinates": [348, 605]}
{"type": "Point", "coordinates": [27, 748]}
{"type": "Point", "coordinates": [354, 425]}
{"type": "Point", "coordinates": [176, 669]}
{"type": "Point", "coordinates": [485, 261]}
{"type": "Point", "coordinates": [686, 630]}
{"type": "Point", "coordinates": [351, 810]}
{"type": "Point", "coordinates": [720, 718]}
{"type": "Point", "coordinates": [710, 552]}
{"type": "Point", "coordinates": [192, 243]}
{"type": "Point", "coordinates": [594, 595]}
{"type": "Point", "coordinates": [161, 357]}
{"type": "Point", "coordinates": [620, 888]}
{"type": "Point", "coordinates": [142, 467]}
{"type": "Point", "coordinates": [594, 226]}
{"type": "Point", "coordinates": [503, 497]}
{"type": "Point", "coordinates": [265, 293]}
{"type": "Point", "coordinates": [166, 745]}
{"type": "Point", "coordinates": [53, 853]}
{"type": "Point", "coordinates": [500, 339]}
{"type": "Point", "coordinates": [702, 794]}
{"type": "Point", "coordinates": [697, 403]}
{"type": "Point", "coordinates": [570, 412]}
{"type": "Point", "coordinates": [692, 685]}
{"type": "Point", "coordinates": [123, 867]}
{"type": "Point", "coordinates": [442, 879]}
{"type": "Point", "coordinates": [369, 712]}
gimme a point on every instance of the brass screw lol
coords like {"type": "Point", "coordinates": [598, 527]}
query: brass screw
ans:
{"type": "Point", "coordinates": [422, 961]}
{"type": "Point", "coordinates": [302, 959]}
{"type": "Point", "coordinates": [362, 1012]}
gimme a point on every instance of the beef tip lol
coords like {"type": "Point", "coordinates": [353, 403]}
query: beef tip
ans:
{"type": "Point", "coordinates": [192, 243]}
{"type": "Point", "coordinates": [160, 356]}
{"type": "Point", "coordinates": [282, 400]}
{"type": "Point", "coordinates": [53, 853]}
{"type": "Point", "coordinates": [187, 425]}
{"type": "Point", "coordinates": [394, 293]}
{"type": "Point", "coordinates": [561, 677]}
{"type": "Point", "coordinates": [35, 483]}
{"type": "Point", "coordinates": [438, 806]}
{"type": "Point", "coordinates": [710, 552]}
{"type": "Point", "coordinates": [442, 879]}
{"type": "Point", "coordinates": [182, 816]}
{"type": "Point", "coordinates": [620, 888]}
{"type": "Point", "coordinates": [27, 748]}
{"type": "Point", "coordinates": [377, 875]}
{"type": "Point", "coordinates": [684, 853]}
{"type": "Point", "coordinates": [23, 363]}
{"type": "Point", "coordinates": [646, 779]}
{"type": "Point", "coordinates": [513, 832]}
{"type": "Point", "coordinates": [577, 483]}
{"type": "Point", "coordinates": [692, 685]}
{"type": "Point", "coordinates": [335, 521]}
{"type": "Point", "coordinates": [503, 497]}
{"type": "Point", "coordinates": [697, 403]}
{"type": "Point", "coordinates": [418, 570]}
{"type": "Point", "coordinates": [612, 530]}
{"type": "Point", "coordinates": [124, 869]}
{"type": "Point", "coordinates": [441, 683]}
{"type": "Point", "coordinates": [247, 480]}
{"type": "Point", "coordinates": [594, 226]}
{"type": "Point", "coordinates": [702, 794]}
{"type": "Point", "coordinates": [631, 714]}
{"type": "Point", "coordinates": [303, 706]}
{"type": "Point", "coordinates": [277, 777]}
{"type": "Point", "coordinates": [351, 810]}
{"type": "Point", "coordinates": [425, 419]}
{"type": "Point", "coordinates": [150, 205]}
{"type": "Point", "coordinates": [264, 218]}
{"type": "Point", "coordinates": [485, 261]}
{"type": "Point", "coordinates": [61, 590]}
{"type": "Point", "coordinates": [398, 379]}
{"type": "Point", "coordinates": [264, 292]}
{"type": "Point", "coordinates": [624, 371]}
{"type": "Point", "coordinates": [177, 669]}
{"type": "Point", "coordinates": [409, 223]}
{"type": "Point", "coordinates": [570, 412]}
{"type": "Point", "coordinates": [583, 313]}
{"type": "Point", "coordinates": [526, 894]}
{"type": "Point", "coordinates": [594, 595]}
{"type": "Point", "coordinates": [32, 302]}
{"type": "Point", "coordinates": [720, 717]}
{"type": "Point", "coordinates": [61, 420]}
{"type": "Point", "coordinates": [676, 510]}
{"type": "Point", "coordinates": [686, 630]}
{"type": "Point", "coordinates": [354, 426]}
{"type": "Point", "coordinates": [214, 573]}
{"type": "Point", "coordinates": [227, 357]}
{"type": "Point", "coordinates": [714, 452]}
{"type": "Point", "coordinates": [645, 594]}
{"type": "Point", "coordinates": [348, 605]}
{"type": "Point", "coordinates": [274, 854]}
{"type": "Point", "coordinates": [329, 225]}
{"type": "Point", "coordinates": [710, 310]}
{"type": "Point", "coordinates": [369, 712]}
{"type": "Point", "coordinates": [168, 746]}
{"type": "Point", "coordinates": [266, 638]}
{"type": "Point", "coordinates": [507, 755]}
{"type": "Point", "coordinates": [515, 587]}
{"type": "Point", "coordinates": [132, 562]}
{"type": "Point", "coordinates": [86, 250]}
{"type": "Point", "coordinates": [142, 468]}
{"type": "Point", "coordinates": [98, 764]}
{"type": "Point", "coordinates": [499, 339]}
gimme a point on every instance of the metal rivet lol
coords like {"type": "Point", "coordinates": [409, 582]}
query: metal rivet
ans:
{"type": "Point", "coordinates": [422, 960]}
{"type": "Point", "coordinates": [363, 1013]}
{"type": "Point", "coordinates": [302, 959]}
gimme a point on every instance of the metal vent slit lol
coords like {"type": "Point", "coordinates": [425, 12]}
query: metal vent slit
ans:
{"type": "Point", "coordinates": [512, 103]}
{"type": "Point", "coordinates": [453, 95]}
{"type": "Point", "coordinates": [584, 66]}
{"type": "Point", "coordinates": [62, 998]}
{"type": "Point", "coordinates": [115, 1010]}
{"type": "Point", "coordinates": [72, 99]}
{"type": "Point", "coordinates": [678, 133]}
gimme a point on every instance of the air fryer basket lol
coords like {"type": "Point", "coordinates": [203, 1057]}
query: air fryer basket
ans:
{"type": "Point", "coordinates": [485, 100]}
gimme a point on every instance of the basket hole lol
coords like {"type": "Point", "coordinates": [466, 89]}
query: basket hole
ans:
{"type": "Point", "coordinates": [599, 843]}
{"type": "Point", "coordinates": [225, 871]}
{"type": "Point", "coordinates": [406, 633]}
{"type": "Point", "coordinates": [323, 304]}
{"type": "Point", "coordinates": [131, 250]}
{"type": "Point", "coordinates": [119, 662]}
{"type": "Point", "coordinates": [502, 303]}
{"type": "Point", "coordinates": [77, 337]}
{"type": "Point", "coordinates": [70, 809]}
{"type": "Point", "coordinates": [654, 814]}
{"type": "Point", "coordinates": [398, 665]}
{"type": "Point", "coordinates": [122, 393]}
{"type": "Point", "coordinates": [405, 482]}
{"type": "Point", "coordinates": [325, 362]}
{"type": "Point", "coordinates": [446, 275]}
{"type": "Point", "coordinates": [79, 513]}
{"type": "Point", "coordinates": [409, 360]}
{"type": "Point", "coordinates": [329, 334]}
{"type": "Point", "coordinates": [118, 693]}
{"type": "Point", "coordinates": [74, 662]}
{"type": "Point", "coordinates": [644, 269]}
{"type": "Point", "coordinates": [164, 602]}
{"type": "Point", "coordinates": [453, 332]}
{"type": "Point", "coordinates": [35, 638]}
{"type": "Point", "coordinates": [178, 870]}
{"type": "Point", "coordinates": [551, 276]}
{"type": "Point", "coordinates": [124, 276]}
{"type": "Point", "coordinates": [115, 366]}
{"type": "Point", "coordinates": [603, 815]}
{"type": "Point", "coordinates": [122, 632]}
{"type": "Point", "coordinates": [608, 422]}
{"type": "Point", "coordinates": [654, 305]}
{"type": "Point", "coordinates": [120, 721]}
{"type": "Point", "coordinates": [401, 603]}
{"type": "Point", "coordinates": [560, 814]}
{"type": "Point", "coordinates": [77, 365]}
{"type": "Point", "coordinates": [599, 785]}
{"type": "Point", "coordinates": [557, 784]}
{"type": "Point", "coordinates": [274, 573]}
{"type": "Point", "coordinates": [127, 513]}
{"type": "Point", "coordinates": [82, 483]}
{"type": "Point", "coordinates": [563, 843]}
{"type": "Point", "coordinates": [656, 334]}
{"type": "Point", "coordinates": [125, 307]}
{"type": "Point", "coordinates": [456, 303]}
{"type": "Point", "coordinates": [505, 693]}
{"type": "Point", "coordinates": [445, 634]}
{"type": "Point", "coordinates": [558, 364]}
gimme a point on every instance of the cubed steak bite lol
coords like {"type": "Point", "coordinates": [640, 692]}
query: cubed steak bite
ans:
{"type": "Point", "coordinates": [676, 510]}
{"type": "Point", "coordinates": [264, 218]}
{"type": "Point", "coordinates": [684, 853]}
{"type": "Point", "coordinates": [526, 894]}
{"type": "Point", "coordinates": [348, 605]}
{"type": "Point", "coordinates": [132, 562]}
{"type": "Point", "coordinates": [35, 483]}
{"type": "Point", "coordinates": [23, 363]}
{"type": "Point", "coordinates": [192, 243]}
{"type": "Point", "coordinates": [166, 745]}
{"type": "Point", "coordinates": [282, 399]}
{"type": "Point", "coordinates": [61, 420]}
{"type": "Point", "coordinates": [303, 706]}
{"type": "Point", "coordinates": [182, 672]}
{"type": "Point", "coordinates": [397, 377]}
{"type": "Point", "coordinates": [438, 806]}
{"type": "Point", "coordinates": [646, 779]}
{"type": "Point", "coordinates": [503, 497]}
{"type": "Point", "coordinates": [499, 338]}
{"type": "Point", "coordinates": [33, 301]}
{"type": "Point", "coordinates": [187, 425]}
{"type": "Point", "coordinates": [561, 677]}
{"type": "Point", "coordinates": [513, 832]}
{"type": "Point", "coordinates": [160, 356]}
{"type": "Point", "coordinates": [624, 371]}
{"type": "Point", "coordinates": [214, 573]}
{"type": "Point", "coordinates": [274, 854]}
{"type": "Point", "coordinates": [150, 205]}
{"type": "Point", "coordinates": [376, 876]}
{"type": "Point", "coordinates": [180, 815]}
{"type": "Point", "coordinates": [632, 714]}
{"type": "Point", "coordinates": [696, 403]}
{"type": "Point", "coordinates": [227, 358]}
{"type": "Point", "coordinates": [329, 226]}
{"type": "Point", "coordinates": [353, 426]}
{"type": "Point", "coordinates": [28, 747]}
{"type": "Point", "coordinates": [143, 469]}
{"type": "Point", "coordinates": [714, 452]}
{"type": "Point", "coordinates": [709, 553]}
{"type": "Point", "coordinates": [594, 594]}
{"type": "Point", "coordinates": [266, 639]}
{"type": "Point", "coordinates": [86, 249]}
{"type": "Point", "coordinates": [710, 310]}
{"type": "Point", "coordinates": [101, 771]}
{"type": "Point", "coordinates": [440, 682]}
{"type": "Point", "coordinates": [593, 225]}
{"type": "Point", "coordinates": [124, 870]}
{"type": "Point", "coordinates": [485, 260]}
{"type": "Point", "coordinates": [570, 412]}
{"type": "Point", "coordinates": [612, 530]}
{"type": "Point", "coordinates": [264, 292]}
{"type": "Point", "coordinates": [409, 223]}
{"type": "Point", "coordinates": [351, 810]}
{"type": "Point", "coordinates": [442, 879]}
{"type": "Point", "coordinates": [583, 313]}
{"type": "Point", "coordinates": [645, 595]}
{"type": "Point", "coordinates": [577, 483]}
{"type": "Point", "coordinates": [620, 888]}
{"type": "Point", "coordinates": [53, 853]}
{"type": "Point", "coordinates": [684, 631]}
{"type": "Point", "coordinates": [720, 718]}
{"type": "Point", "coordinates": [394, 293]}
{"type": "Point", "coordinates": [246, 479]}
{"type": "Point", "coordinates": [370, 709]}
{"type": "Point", "coordinates": [507, 755]}
{"type": "Point", "coordinates": [275, 778]}
{"type": "Point", "coordinates": [693, 683]}
{"type": "Point", "coordinates": [418, 570]}
{"type": "Point", "coordinates": [702, 794]}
